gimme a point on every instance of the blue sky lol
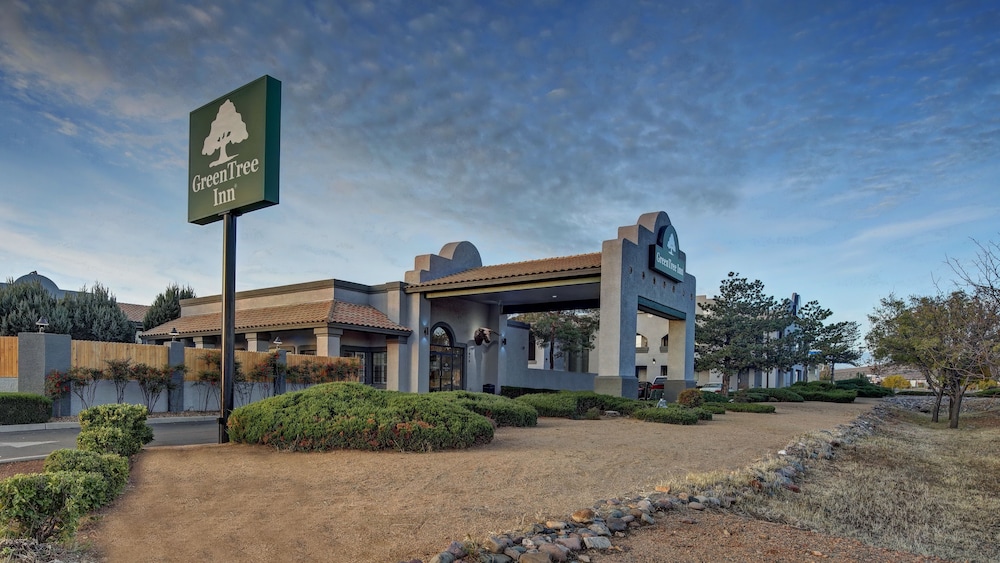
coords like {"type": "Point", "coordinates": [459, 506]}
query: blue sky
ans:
{"type": "Point", "coordinates": [841, 150]}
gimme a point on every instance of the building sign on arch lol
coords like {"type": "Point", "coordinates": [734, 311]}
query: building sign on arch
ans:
{"type": "Point", "coordinates": [665, 257]}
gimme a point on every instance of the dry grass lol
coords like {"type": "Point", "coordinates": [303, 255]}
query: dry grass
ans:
{"type": "Point", "coordinates": [912, 486]}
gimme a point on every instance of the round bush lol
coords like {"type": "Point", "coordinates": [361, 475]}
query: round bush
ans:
{"type": "Point", "coordinates": [690, 398]}
{"type": "Point", "coordinates": [335, 416]}
{"type": "Point", "coordinates": [131, 419]}
{"type": "Point", "coordinates": [112, 467]}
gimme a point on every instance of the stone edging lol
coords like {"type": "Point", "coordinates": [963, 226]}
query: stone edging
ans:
{"type": "Point", "coordinates": [593, 528]}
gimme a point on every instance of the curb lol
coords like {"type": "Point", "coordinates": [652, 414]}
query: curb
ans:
{"type": "Point", "coordinates": [62, 425]}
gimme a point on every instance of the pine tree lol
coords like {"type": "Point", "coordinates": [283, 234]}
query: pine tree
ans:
{"type": "Point", "coordinates": [166, 307]}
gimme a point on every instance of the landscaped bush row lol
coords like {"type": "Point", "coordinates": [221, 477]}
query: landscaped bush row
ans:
{"type": "Point", "coordinates": [24, 408]}
{"type": "Point", "coordinates": [991, 392]}
{"type": "Point", "coordinates": [503, 411]}
{"type": "Point", "coordinates": [824, 391]}
{"type": "Point", "coordinates": [512, 392]}
{"type": "Point", "coordinates": [864, 388]}
{"type": "Point", "coordinates": [714, 408]}
{"type": "Point", "coordinates": [750, 407]}
{"type": "Point", "coordinates": [575, 404]}
{"type": "Point", "coordinates": [783, 395]}
{"type": "Point", "coordinates": [355, 416]}
{"type": "Point", "coordinates": [669, 415]}
{"type": "Point", "coordinates": [711, 397]}
{"type": "Point", "coordinates": [75, 482]}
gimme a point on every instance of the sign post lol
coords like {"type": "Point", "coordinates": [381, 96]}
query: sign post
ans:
{"type": "Point", "coordinates": [233, 169]}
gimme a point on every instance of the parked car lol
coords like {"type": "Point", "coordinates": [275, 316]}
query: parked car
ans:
{"type": "Point", "coordinates": [712, 387]}
{"type": "Point", "coordinates": [647, 388]}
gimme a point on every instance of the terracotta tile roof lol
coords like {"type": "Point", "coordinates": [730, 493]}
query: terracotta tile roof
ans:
{"type": "Point", "coordinates": [318, 313]}
{"type": "Point", "coordinates": [518, 269]}
{"type": "Point", "coordinates": [135, 313]}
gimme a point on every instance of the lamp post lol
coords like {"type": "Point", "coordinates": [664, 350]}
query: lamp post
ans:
{"type": "Point", "coordinates": [830, 359]}
{"type": "Point", "coordinates": [41, 323]}
{"type": "Point", "coordinates": [174, 334]}
{"type": "Point", "coordinates": [277, 342]}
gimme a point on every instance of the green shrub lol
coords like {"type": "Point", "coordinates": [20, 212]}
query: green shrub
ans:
{"type": "Point", "coordinates": [714, 408]}
{"type": "Point", "coordinates": [784, 394]}
{"type": "Point", "coordinates": [747, 396]}
{"type": "Point", "coordinates": [131, 419]}
{"type": "Point", "coordinates": [813, 385]}
{"type": "Point", "coordinates": [702, 413]}
{"type": "Point", "coordinates": [558, 405]}
{"type": "Point", "coordinates": [24, 408]}
{"type": "Point", "coordinates": [690, 398]}
{"type": "Point", "coordinates": [991, 392]}
{"type": "Point", "coordinates": [514, 392]}
{"type": "Point", "coordinates": [575, 404]}
{"type": "Point", "coordinates": [46, 505]}
{"type": "Point", "coordinates": [749, 407]}
{"type": "Point", "coordinates": [669, 415]}
{"type": "Point", "coordinates": [836, 396]}
{"type": "Point", "coordinates": [112, 467]}
{"type": "Point", "coordinates": [863, 387]}
{"type": "Point", "coordinates": [710, 397]}
{"type": "Point", "coordinates": [503, 411]}
{"type": "Point", "coordinates": [355, 416]}
{"type": "Point", "coordinates": [108, 440]}
{"type": "Point", "coordinates": [915, 392]}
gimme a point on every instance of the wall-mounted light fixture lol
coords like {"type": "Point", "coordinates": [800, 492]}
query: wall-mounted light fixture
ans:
{"type": "Point", "coordinates": [41, 323]}
{"type": "Point", "coordinates": [426, 331]}
{"type": "Point", "coordinates": [503, 341]}
{"type": "Point", "coordinates": [277, 341]}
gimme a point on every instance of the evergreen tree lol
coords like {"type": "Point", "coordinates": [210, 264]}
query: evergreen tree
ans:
{"type": "Point", "coordinates": [166, 307]}
{"type": "Point", "coordinates": [22, 304]}
{"type": "Point", "coordinates": [574, 331]}
{"type": "Point", "coordinates": [94, 315]}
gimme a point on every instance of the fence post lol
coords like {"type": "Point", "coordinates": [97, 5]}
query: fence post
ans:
{"type": "Point", "coordinates": [175, 357]}
{"type": "Point", "coordinates": [279, 380]}
{"type": "Point", "coordinates": [38, 353]}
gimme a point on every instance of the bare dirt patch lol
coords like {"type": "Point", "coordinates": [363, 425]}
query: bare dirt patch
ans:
{"type": "Point", "coordinates": [247, 503]}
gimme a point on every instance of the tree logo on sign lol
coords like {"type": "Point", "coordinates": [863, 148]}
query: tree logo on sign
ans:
{"type": "Point", "coordinates": [227, 128]}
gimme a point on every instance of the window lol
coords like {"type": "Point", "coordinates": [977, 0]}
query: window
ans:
{"type": "Point", "coordinates": [531, 347]}
{"type": "Point", "coordinates": [641, 344]}
{"type": "Point", "coordinates": [380, 362]}
{"type": "Point", "coordinates": [665, 343]}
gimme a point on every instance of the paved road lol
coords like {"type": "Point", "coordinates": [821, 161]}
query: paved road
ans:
{"type": "Point", "coordinates": [36, 444]}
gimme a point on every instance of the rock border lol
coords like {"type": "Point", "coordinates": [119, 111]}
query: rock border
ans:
{"type": "Point", "coordinates": [593, 528]}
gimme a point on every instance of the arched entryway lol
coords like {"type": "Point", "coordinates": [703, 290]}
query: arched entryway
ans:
{"type": "Point", "coordinates": [446, 360]}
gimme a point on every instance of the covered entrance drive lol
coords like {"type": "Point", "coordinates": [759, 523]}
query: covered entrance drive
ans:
{"type": "Point", "coordinates": [640, 270]}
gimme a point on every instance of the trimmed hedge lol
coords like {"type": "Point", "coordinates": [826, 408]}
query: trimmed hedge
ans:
{"type": "Point", "coordinates": [575, 404]}
{"type": "Point", "coordinates": [503, 411]}
{"type": "Point", "coordinates": [748, 396]}
{"type": "Point", "coordinates": [991, 392]}
{"type": "Point", "coordinates": [782, 395]}
{"type": "Point", "coordinates": [24, 408]}
{"type": "Point", "coordinates": [512, 392]}
{"type": "Point", "coordinates": [710, 397]}
{"type": "Point", "coordinates": [114, 429]}
{"type": "Point", "coordinates": [669, 415]}
{"type": "Point", "coordinates": [702, 413]}
{"type": "Point", "coordinates": [824, 391]}
{"type": "Point", "coordinates": [714, 408]}
{"type": "Point", "coordinates": [750, 407]}
{"type": "Point", "coordinates": [864, 388]}
{"type": "Point", "coordinates": [335, 416]}
{"type": "Point", "coordinates": [112, 467]}
{"type": "Point", "coordinates": [46, 505]}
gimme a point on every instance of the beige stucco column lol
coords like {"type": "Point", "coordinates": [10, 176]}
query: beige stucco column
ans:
{"type": "Point", "coordinates": [328, 341]}
{"type": "Point", "coordinates": [258, 341]}
{"type": "Point", "coordinates": [207, 342]}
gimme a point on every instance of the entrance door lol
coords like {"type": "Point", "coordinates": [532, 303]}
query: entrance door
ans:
{"type": "Point", "coordinates": [446, 361]}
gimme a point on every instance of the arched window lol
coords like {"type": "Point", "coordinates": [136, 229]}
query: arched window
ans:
{"type": "Point", "coordinates": [446, 360]}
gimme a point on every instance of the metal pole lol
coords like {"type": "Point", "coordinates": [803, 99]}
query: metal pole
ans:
{"type": "Point", "coordinates": [228, 321]}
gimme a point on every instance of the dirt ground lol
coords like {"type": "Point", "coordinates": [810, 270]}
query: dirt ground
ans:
{"type": "Point", "coordinates": [247, 503]}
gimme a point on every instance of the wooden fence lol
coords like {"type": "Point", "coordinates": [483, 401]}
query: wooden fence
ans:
{"type": "Point", "coordinates": [196, 362]}
{"type": "Point", "coordinates": [90, 354]}
{"type": "Point", "coordinates": [8, 356]}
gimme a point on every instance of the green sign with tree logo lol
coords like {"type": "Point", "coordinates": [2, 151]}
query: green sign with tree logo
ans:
{"type": "Point", "coordinates": [665, 257]}
{"type": "Point", "coordinates": [233, 152]}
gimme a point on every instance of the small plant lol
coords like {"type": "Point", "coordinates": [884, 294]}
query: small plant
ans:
{"type": "Point", "coordinates": [119, 372]}
{"type": "Point", "coordinates": [593, 413]}
{"type": "Point", "coordinates": [57, 383]}
{"type": "Point", "coordinates": [153, 382]}
{"type": "Point", "coordinates": [690, 398]}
